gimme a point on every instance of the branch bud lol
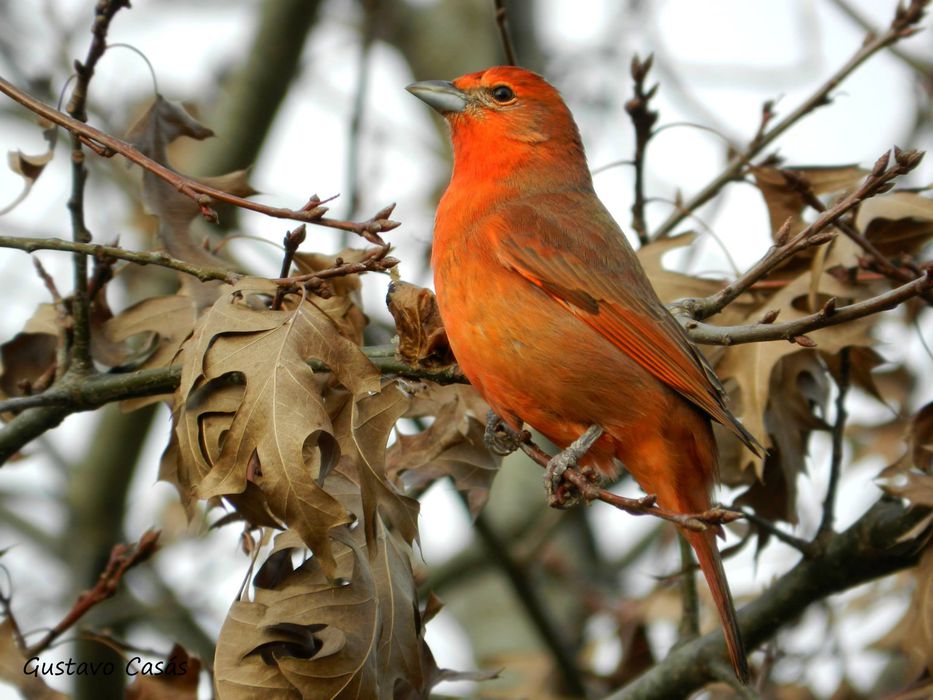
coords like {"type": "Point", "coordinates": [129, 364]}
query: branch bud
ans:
{"type": "Point", "coordinates": [770, 316]}
{"type": "Point", "coordinates": [881, 164]}
{"type": "Point", "coordinates": [803, 341]}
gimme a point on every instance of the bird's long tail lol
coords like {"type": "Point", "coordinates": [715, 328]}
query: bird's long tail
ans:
{"type": "Point", "coordinates": [704, 544]}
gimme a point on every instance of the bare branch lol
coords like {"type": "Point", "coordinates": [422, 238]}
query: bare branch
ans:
{"type": "Point", "coordinates": [815, 234]}
{"type": "Point", "coordinates": [293, 239]}
{"type": "Point", "coordinates": [502, 22]}
{"type": "Point", "coordinates": [796, 330]}
{"type": "Point", "coordinates": [122, 559]}
{"type": "Point", "coordinates": [203, 195]}
{"type": "Point", "coordinates": [30, 245]}
{"type": "Point", "coordinates": [835, 462]}
{"type": "Point", "coordinates": [901, 27]}
{"type": "Point", "coordinates": [45, 411]}
{"type": "Point", "coordinates": [373, 260]}
{"type": "Point", "coordinates": [872, 548]}
{"type": "Point", "coordinates": [646, 505]}
{"type": "Point", "coordinates": [643, 119]}
{"type": "Point", "coordinates": [80, 355]}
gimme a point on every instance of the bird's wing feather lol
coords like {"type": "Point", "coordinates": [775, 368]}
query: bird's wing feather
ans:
{"type": "Point", "coordinates": [593, 273]}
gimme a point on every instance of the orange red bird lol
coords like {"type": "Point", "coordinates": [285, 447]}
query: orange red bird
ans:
{"type": "Point", "coordinates": [552, 318]}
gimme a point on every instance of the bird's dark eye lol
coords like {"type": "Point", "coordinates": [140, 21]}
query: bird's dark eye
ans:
{"type": "Point", "coordinates": [502, 94]}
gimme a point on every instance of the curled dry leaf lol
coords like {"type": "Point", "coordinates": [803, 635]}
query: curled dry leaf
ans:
{"type": "Point", "coordinates": [918, 457]}
{"type": "Point", "coordinates": [452, 446]}
{"type": "Point", "coordinates": [161, 124]}
{"type": "Point", "coordinates": [27, 362]}
{"type": "Point", "coordinates": [358, 634]}
{"type": "Point", "coordinates": [914, 632]}
{"type": "Point", "coordinates": [362, 428]}
{"type": "Point", "coordinates": [422, 340]}
{"type": "Point", "coordinates": [157, 327]}
{"type": "Point", "coordinates": [31, 167]}
{"type": "Point", "coordinates": [900, 222]}
{"type": "Point", "coordinates": [783, 189]}
{"type": "Point", "coordinates": [279, 437]}
{"type": "Point", "coordinates": [671, 285]}
{"type": "Point", "coordinates": [797, 397]}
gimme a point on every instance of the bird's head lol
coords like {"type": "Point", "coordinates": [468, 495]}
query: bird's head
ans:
{"type": "Point", "coordinates": [505, 117]}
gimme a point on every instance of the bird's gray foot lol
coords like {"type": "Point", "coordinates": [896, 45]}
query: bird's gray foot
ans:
{"type": "Point", "coordinates": [561, 494]}
{"type": "Point", "coordinates": [500, 438]}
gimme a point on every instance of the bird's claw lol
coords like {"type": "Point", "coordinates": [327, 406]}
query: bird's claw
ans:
{"type": "Point", "coordinates": [500, 439]}
{"type": "Point", "coordinates": [560, 493]}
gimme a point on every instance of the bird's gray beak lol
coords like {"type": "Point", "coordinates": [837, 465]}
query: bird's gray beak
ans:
{"type": "Point", "coordinates": [439, 94]}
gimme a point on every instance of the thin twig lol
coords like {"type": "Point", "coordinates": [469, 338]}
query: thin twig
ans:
{"type": "Point", "coordinates": [690, 615]}
{"type": "Point", "coordinates": [6, 606]}
{"type": "Point", "coordinates": [835, 463]}
{"type": "Point", "coordinates": [30, 245]}
{"type": "Point", "coordinates": [502, 21]}
{"type": "Point", "coordinates": [815, 234]}
{"type": "Point", "coordinates": [796, 330]}
{"type": "Point", "coordinates": [80, 355]}
{"type": "Point", "coordinates": [901, 27]}
{"type": "Point", "coordinates": [122, 558]}
{"type": "Point", "coordinates": [643, 119]}
{"type": "Point", "coordinates": [877, 260]}
{"type": "Point", "coordinates": [47, 281]}
{"type": "Point", "coordinates": [372, 260]}
{"type": "Point", "coordinates": [533, 604]}
{"type": "Point", "coordinates": [801, 545]}
{"type": "Point", "coordinates": [646, 505]}
{"type": "Point", "coordinates": [88, 393]}
{"type": "Point", "coordinates": [293, 239]}
{"type": "Point", "coordinates": [923, 69]}
{"type": "Point", "coordinates": [203, 195]}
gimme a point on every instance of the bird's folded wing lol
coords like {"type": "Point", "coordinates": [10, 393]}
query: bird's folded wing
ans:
{"type": "Point", "coordinates": [621, 305]}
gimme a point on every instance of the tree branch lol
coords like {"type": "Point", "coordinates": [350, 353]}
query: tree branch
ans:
{"type": "Point", "coordinates": [870, 549]}
{"type": "Point", "coordinates": [835, 461]}
{"type": "Point", "coordinates": [47, 410]}
{"type": "Point", "coordinates": [922, 68]}
{"type": "Point", "coordinates": [879, 180]}
{"type": "Point", "coordinates": [794, 330]}
{"type": "Point", "coordinates": [122, 558]}
{"type": "Point", "coordinates": [643, 120]}
{"type": "Point", "coordinates": [534, 606]}
{"type": "Point", "coordinates": [902, 26]}
{"type": "Point", "coordinates": [502, 22]}
{"type": "Point", "coordinates": [80, 355]}
{"type": "Point", "coordinates": [203, 195]}
{"type": "Point", "coordinates": [30, 245]}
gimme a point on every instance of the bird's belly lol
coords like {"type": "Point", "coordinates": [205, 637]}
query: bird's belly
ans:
{"type": "Point", "coordinates": [535, 362]}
